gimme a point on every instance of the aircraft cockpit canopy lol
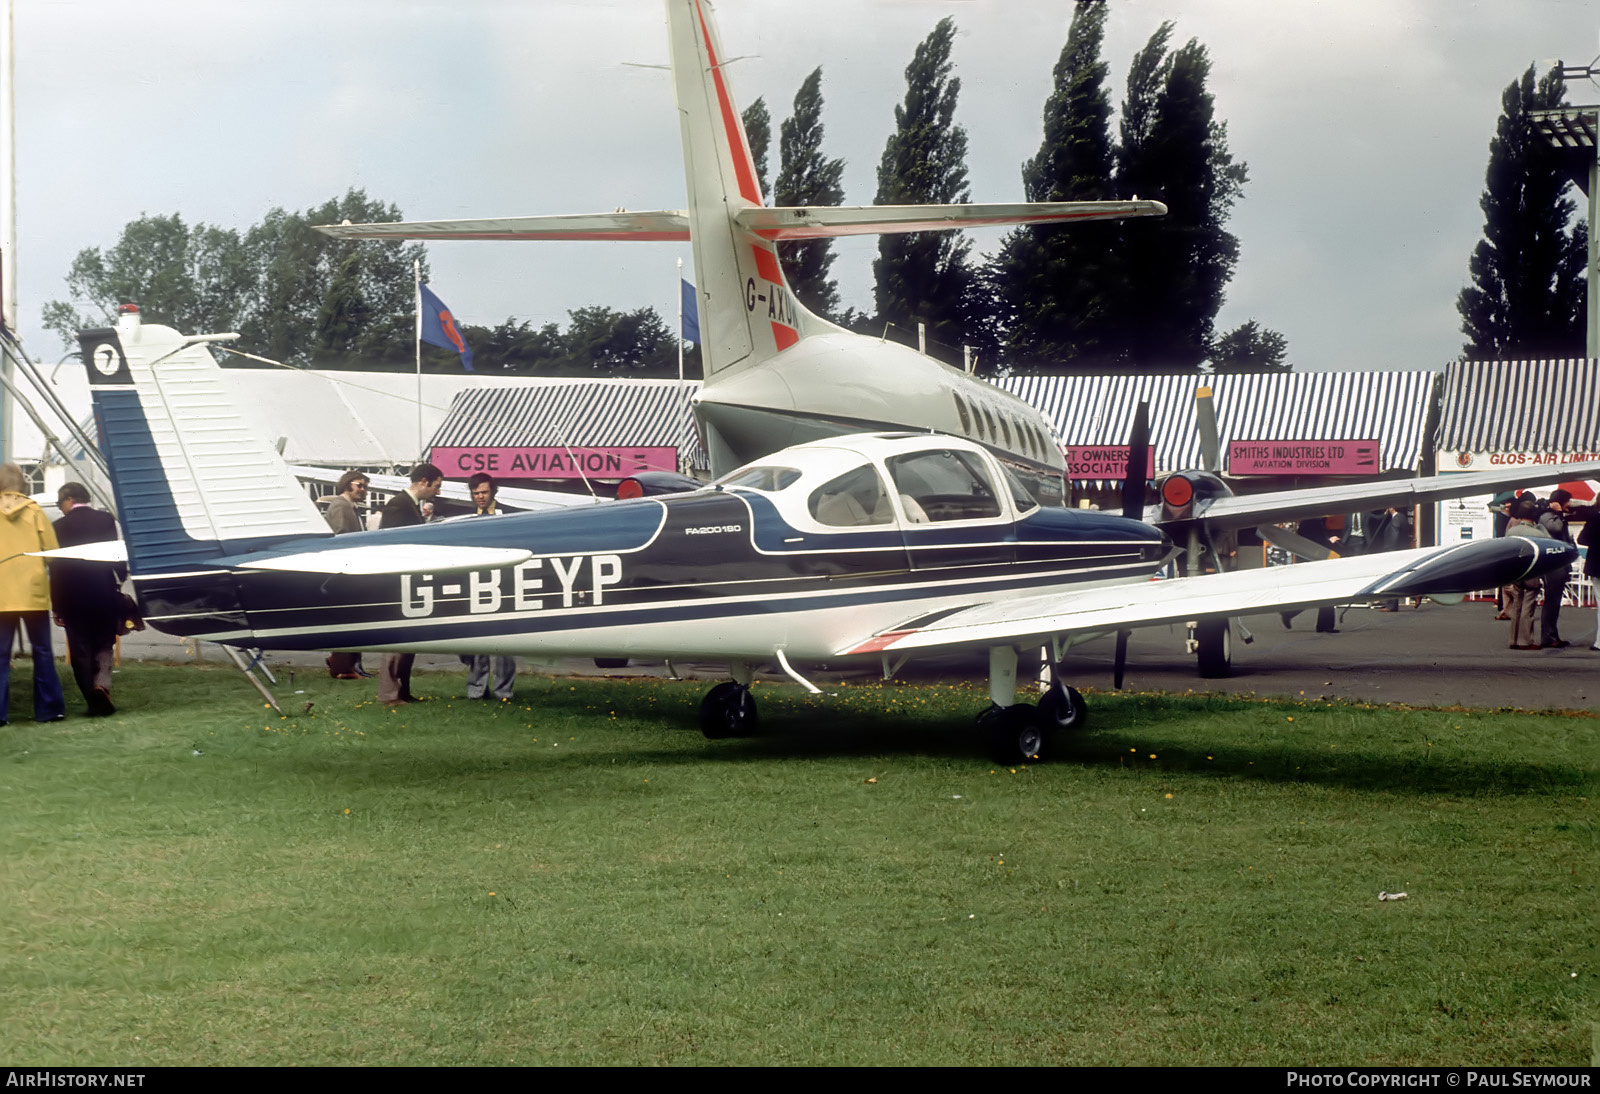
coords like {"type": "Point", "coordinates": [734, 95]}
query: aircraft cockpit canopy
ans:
{"type": "Point", "coordinates": [885, 481]}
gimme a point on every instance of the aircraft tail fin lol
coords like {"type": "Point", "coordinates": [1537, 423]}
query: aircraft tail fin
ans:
{"type": "Point", "coordinates": [193, 480]}
{"type": "Point", "coordinates": [747, 311]}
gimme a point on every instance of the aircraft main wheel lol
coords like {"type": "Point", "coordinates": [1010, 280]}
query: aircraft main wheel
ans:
{"type": "Point", "coordinates": [1016, 734]}
{"type": "Point", "coordinates": [728, 710]}
{"type": "Point", "coordinates": [610, 662]}
{"type": "Point", "coordinates": [1215, 637]}
{"type": "Point", "coordinates": [1062, 707]}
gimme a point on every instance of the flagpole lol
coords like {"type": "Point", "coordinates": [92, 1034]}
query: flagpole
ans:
{"type": "Point", "coordinates": [680, 329]}
{"type": "Point", "coordinates": [416, 272]}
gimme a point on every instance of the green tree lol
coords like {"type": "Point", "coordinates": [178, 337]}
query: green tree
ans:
{"type": "Point", "coordinates": [1175, 268]}
{"type": "Point", "coordinates": [324, 301]}
{"type": "Point", "coordinates": [1056, 287]}
{"type": "Point", "coordinates": [196, 280]}
{"type": "Point", "coordinates": [924, 276]}
{"type": "Point", "coordinates": [1250, 347]}
{"type": "Point", "coordinates": [293, 294]}
{"type": "Point", "coordinates": [758, 134]}
{"type": "Point", "coordinates": [1528, 296]}
{"type": "Point", "coordinates": [807, 177]}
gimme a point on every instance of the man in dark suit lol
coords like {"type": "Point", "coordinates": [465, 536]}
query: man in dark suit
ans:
{"type": "Point", "coordinates": [87, 597]}
{"type": "Point", "coordinates": [402, 511]}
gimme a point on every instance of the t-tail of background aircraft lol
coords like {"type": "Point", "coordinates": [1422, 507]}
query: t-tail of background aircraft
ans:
{"type": "Point", "coordinates": [775, 374]}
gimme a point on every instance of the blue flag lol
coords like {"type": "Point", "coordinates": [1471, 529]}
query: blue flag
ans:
{"type": "Point", "coordinates": [439, 327]}
{"type": "Point", "coordinates": [691, 313]}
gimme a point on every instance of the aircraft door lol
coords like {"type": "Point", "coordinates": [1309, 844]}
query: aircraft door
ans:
{"type": "Point", "coordinates": [951, 513]}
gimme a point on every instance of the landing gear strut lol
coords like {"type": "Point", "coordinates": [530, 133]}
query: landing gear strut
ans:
{"type": "Point", "coordinates": [1021, 732]}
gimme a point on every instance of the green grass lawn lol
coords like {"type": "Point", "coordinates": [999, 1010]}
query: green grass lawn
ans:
{"type": "Point", "coordinates": [580, 877]}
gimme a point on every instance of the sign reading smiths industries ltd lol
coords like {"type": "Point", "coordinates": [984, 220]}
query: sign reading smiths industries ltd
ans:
{"type": "Point", "coordinates": [1303, 458]}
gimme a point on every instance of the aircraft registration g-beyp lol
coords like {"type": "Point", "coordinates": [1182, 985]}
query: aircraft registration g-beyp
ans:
{"type": "Point", "coordinates": [871, 547]}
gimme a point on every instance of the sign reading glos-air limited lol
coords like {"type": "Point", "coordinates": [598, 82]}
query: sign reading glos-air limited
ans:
{"type": "Point", "coordinates": [1303, 458]}
{"type": "Point", "coordinates": [1102, 461]}
{"type": "Point", "coordinates": [554, 461]}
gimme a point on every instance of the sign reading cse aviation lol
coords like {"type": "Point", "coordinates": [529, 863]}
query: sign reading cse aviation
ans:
{"type": "Point", "coordinates": [554, 461]}
{"type": "Point", "coordinates": [1103, 461]}
{"type": "Point", "coordinates": [1303, 458]}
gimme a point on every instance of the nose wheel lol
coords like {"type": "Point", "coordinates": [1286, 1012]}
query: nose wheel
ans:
{"type": "Point", "coordinates": [728, 710]}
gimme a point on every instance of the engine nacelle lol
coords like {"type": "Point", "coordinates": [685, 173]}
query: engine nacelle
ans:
{"type": "Point", "coordinates": [1181, 491]}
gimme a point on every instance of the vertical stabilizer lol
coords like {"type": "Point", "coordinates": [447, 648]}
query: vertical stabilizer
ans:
{"type": "Point", "coordinates": [747, 313]}
{"type": "Point", "coordinates": [192, 478]}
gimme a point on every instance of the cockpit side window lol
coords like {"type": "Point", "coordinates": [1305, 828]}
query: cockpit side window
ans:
{"type": "Point", "coordinates": [855, 499]}
{"type": "Point", "coordinates": [943, 485]}
{"type": "Point", "coordinates": [770, 479]}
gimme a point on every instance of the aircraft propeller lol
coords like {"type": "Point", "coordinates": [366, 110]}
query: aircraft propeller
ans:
{"type": "Point", "coordinates": [1133, 489]}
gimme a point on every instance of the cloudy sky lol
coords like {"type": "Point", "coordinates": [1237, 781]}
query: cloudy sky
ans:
{"type": "Point", "coordinates": [1365, 125]}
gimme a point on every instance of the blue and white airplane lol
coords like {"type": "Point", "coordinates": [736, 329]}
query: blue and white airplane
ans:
{"type": "Point", "coordinates": [869, 547]}
{"type": "Point", "coordinates": [922, 512]}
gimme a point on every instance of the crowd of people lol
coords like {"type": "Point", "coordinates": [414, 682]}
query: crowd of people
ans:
{"type": "Point", "coordinates": [85, 597]}
{"type": "Point", "coordinates": [489, 676]}
{"type": "Point", "coordinates": [1536, 623]}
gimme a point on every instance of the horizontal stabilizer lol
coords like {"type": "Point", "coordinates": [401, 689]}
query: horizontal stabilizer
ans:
{"type": "Point", "coordinates": [787, 222]}
{"type": "Point", "coordinates": [383, 558]}
{"type": "Point", "coordinates": [106, 550]}
{"type": "Point", "coordinates": [818, 221]}
{"type": "Point", "coordinates": [665, 224]}
{"type": "Point", "coordinates": [1031, 620]}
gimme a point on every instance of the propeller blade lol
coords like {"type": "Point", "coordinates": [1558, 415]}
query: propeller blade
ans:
{"type": "Point", "coordinates": [1205, 420]}
{"type": "Point", "coordinates": [1138, 465]}
{"type": "Point", "coordinates": [1121, 661]}
{"type": "Point", "coordinates": [1308, 549]}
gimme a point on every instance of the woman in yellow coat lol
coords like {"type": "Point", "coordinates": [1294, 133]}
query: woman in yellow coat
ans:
{"type": "Point", "coordinates": [25, 595]}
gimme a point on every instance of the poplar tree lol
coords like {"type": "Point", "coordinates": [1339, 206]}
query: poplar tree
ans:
{"type": "Point", "coordinates": [1057, 286]}
{"type": "Point", "coordinates": [807, 177]}
{"type": "Point", "coordinates": [924, 276]}
{"type": "Point", "coordinates": [758, 135]}
{"type": "Point", "coordinates": [1528, 293]}
{"type": "Point", "coordinates": [1173, 149]}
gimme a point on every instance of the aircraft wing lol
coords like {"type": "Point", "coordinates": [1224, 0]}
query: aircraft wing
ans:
{"type": "Point", "coordinates": [663, 224]}
{"type": "Point", "coordinates": [518, 498]}
{"type": "Point", "coordinates": [1250, 510]}
{"type": "Point", "coordinates": [1029, 621]}
{"type": "Point", "coordinates": [818, 221]}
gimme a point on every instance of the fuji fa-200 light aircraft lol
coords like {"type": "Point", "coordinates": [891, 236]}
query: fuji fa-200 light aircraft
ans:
{"type": "Point", "coordinates": [872, 546]}
{"type": "Point", "coordinates": [869, 547]}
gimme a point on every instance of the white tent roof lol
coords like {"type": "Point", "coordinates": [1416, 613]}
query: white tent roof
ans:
{"type": "Point", "coordinates": [335, 419]}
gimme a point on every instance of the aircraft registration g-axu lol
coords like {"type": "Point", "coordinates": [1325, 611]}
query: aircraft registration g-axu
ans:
{"type": "Point", "coordinates": [870, 547]}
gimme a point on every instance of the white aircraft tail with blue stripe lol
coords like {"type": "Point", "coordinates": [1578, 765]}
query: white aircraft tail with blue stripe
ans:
{"type": "Point", "coordinates": [193, 478]}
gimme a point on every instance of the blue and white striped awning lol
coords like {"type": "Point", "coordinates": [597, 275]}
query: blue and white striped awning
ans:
{"type": "Point", "coordinates": [576, 412]}
{"type": "Point", "coordinates": [1091, 410]}
{"type": "Point", "coordinates": [1521, 406]}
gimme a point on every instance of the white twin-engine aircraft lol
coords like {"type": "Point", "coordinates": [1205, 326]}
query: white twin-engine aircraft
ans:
{"type": "Point", "coordinates": [865, 542]}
